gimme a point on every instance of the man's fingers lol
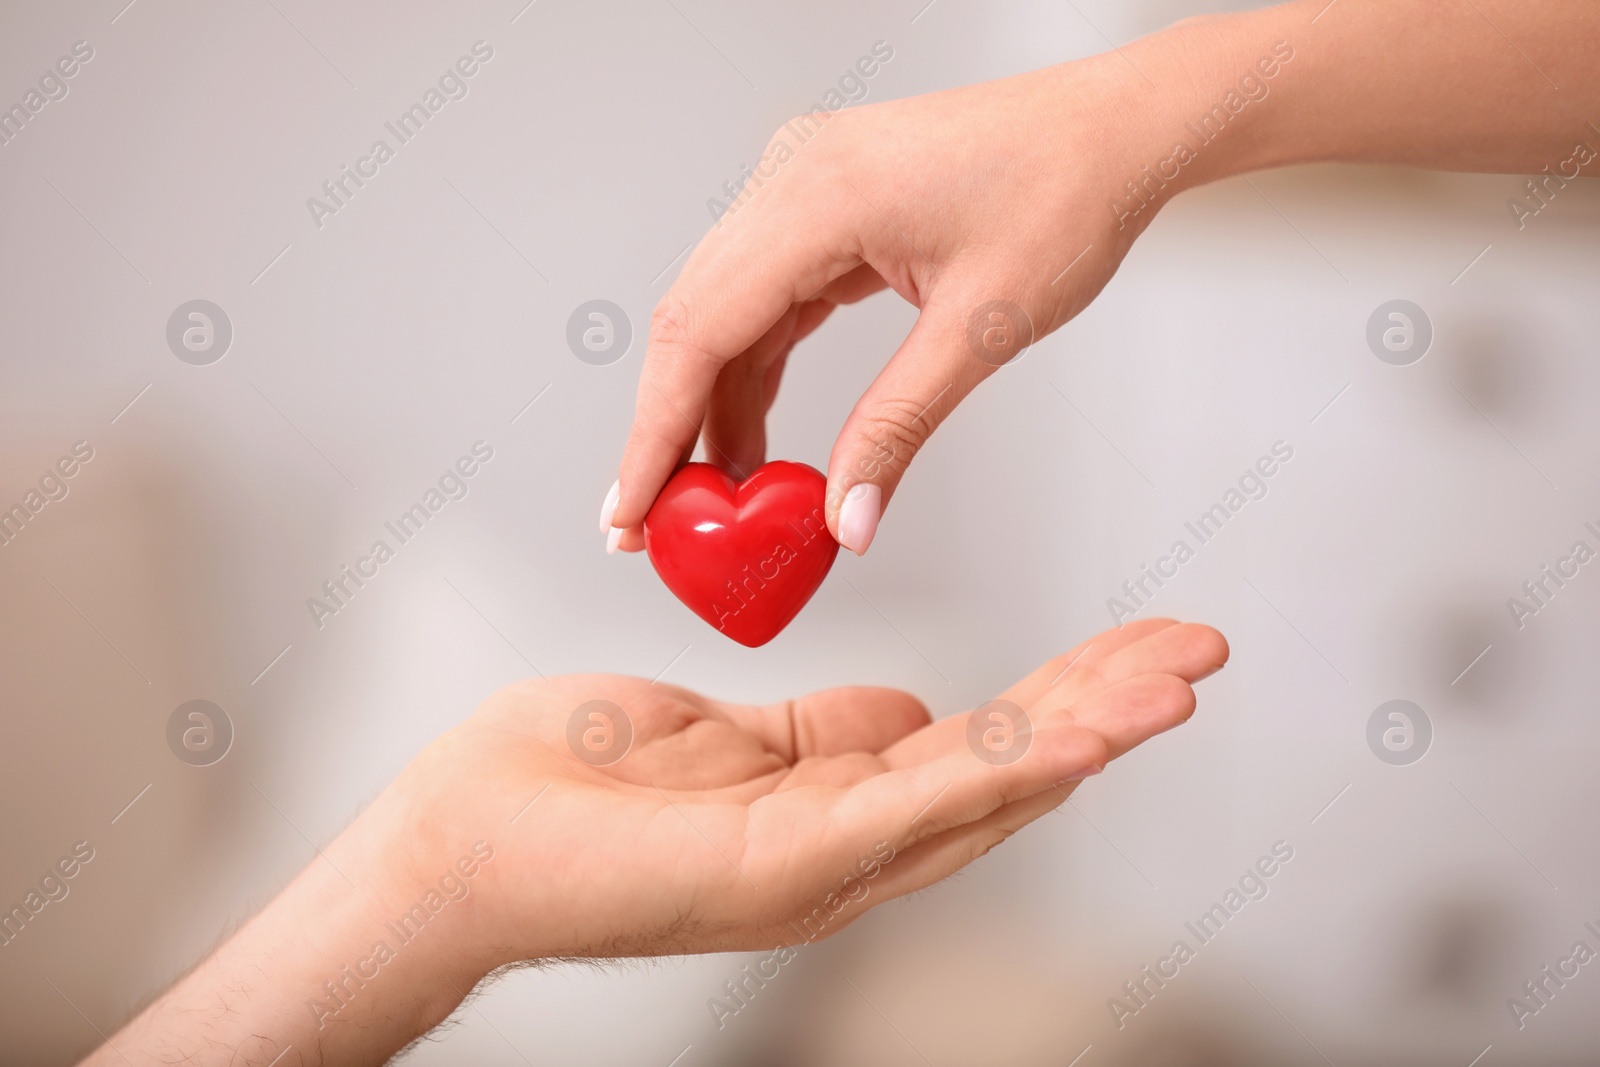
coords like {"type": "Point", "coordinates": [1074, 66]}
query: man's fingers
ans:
{"type": "Point", "coordinates": [1086, 693]}
{"type": "Point", "coordinates": [841, 825]}
{"type": "Point", "coordinates": [946, 733]}
{"type": "Point", "coordinates": [909, 805]}
{"type": "Point", "coordinates": [731, 292]}
{"type": "Point", "coordinates": [930, 374]}
{"type": "Point", "coordinates": [1190, 650]}
{"type": "Point", "coordinates": [1187, 652]}
{"type": "Point", "coordinates": [939, 857]}
{"type": "Point", "coordinates": [1124, 715]}
{"type": "Point", "coordinates": [831, 722]}
{"type": "Point", "coordinates": [1040, 680]}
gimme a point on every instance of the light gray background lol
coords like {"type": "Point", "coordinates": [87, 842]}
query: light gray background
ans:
{"type": "Point", "coordinates": [429, 312]}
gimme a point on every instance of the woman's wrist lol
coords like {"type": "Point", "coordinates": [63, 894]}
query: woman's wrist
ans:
{"type": "Point", "coordinates": [1229, 85]}
{"type": "Point", "coordinates": [1191, 104]}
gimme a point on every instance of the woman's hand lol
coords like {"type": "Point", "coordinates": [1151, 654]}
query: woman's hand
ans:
{"type": "Point", "coordinates": [539, 829]}
{"type": "Point", "coordinates": [1000, 210]}
{"type": "Point", "coordinates": [992, 208]}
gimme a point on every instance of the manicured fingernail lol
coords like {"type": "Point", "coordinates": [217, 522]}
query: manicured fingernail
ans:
{"type": "Point", "coordinates": [613, 539]}
{"type": "Point", "coordinates": [609, 508]}
{"type": "Point", "coordinates": [858, 516]}
{"type": "Point", "coordinates": [1088, 772]}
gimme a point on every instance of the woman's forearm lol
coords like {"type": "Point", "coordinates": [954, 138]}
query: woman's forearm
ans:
{"type": "Point", "coordinates": [1470, 85]}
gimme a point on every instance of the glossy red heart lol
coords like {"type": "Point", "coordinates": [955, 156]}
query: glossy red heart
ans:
{"type": "Point", "coordinates": [744, 556]}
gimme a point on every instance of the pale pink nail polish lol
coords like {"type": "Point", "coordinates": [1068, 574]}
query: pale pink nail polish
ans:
{"type": "Point", "coordinates": [858, 516]}
{"type": "Point", "coordinates": [1088, 772]}
{"type": "Point", "coordinates": [609, 508]}
{"type": "Point", "coordinates": [613, 539]}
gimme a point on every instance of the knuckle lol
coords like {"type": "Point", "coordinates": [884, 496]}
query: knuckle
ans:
{"type": "Point", "coordinates": [651, 448]}
{"type": "Point", "coordinates": [982, 844]}
{"type": "Point", "coordinates": [896, 430]}
{"type": "Point", "coordinates": [676, 334]}
{"type": "Point", "coordinates": [783, 137]}
{"type": "Point", "coordinates": [520, 693]}
{"type": "Point", "coordinates": [804, 126]}
{"type": "Point", "coordinates": [819, 142]}
{"type": "Point", "coordinates": [669, 322]}
{"type": "Point", "coordinates": [1091, 677]}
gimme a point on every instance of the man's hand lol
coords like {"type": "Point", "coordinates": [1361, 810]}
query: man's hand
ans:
{"type": "Point", "coordinates": [723, 827]}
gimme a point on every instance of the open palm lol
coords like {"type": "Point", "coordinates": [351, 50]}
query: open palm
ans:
{"type": "Point", "coordinates": [728, 826]}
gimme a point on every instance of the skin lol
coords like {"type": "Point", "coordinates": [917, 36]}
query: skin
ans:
{"type": "Point", "coordinates": [723, 828]}
{"type": "Point", "coordinates": [990, 192]}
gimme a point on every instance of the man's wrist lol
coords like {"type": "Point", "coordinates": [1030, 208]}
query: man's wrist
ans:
{"type": "Point", "coordinates": [383, 946]}
{"type": "Point", "coordinates": [355, 958]}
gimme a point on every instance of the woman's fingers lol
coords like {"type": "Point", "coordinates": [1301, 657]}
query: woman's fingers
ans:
{"type": "Point", "coordinates": [735, 428]}
{"type": "Point", "coordinates": [933, 371]}
{"type": "Point", "coordinates": [629, 540]}
{"type": "Point", "coordinates": [734, 424]}
{"type": "Point", "coordinates": [741, 281]}
{"type": "Point", "coordinates": [850, 287]}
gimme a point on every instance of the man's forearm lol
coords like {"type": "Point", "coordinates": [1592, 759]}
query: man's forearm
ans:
{"type": "Point", "coordinates": [340, 968]}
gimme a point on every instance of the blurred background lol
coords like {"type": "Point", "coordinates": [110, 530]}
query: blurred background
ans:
{"type": "Point", "coordinates": [343, 361]}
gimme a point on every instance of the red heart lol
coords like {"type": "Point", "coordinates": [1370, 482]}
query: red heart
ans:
{"type": "Point", "coordinates": [744, 556]}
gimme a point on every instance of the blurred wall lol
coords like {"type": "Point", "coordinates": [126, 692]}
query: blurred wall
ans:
{"type": "Point", "coordinates": [429, 313]}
